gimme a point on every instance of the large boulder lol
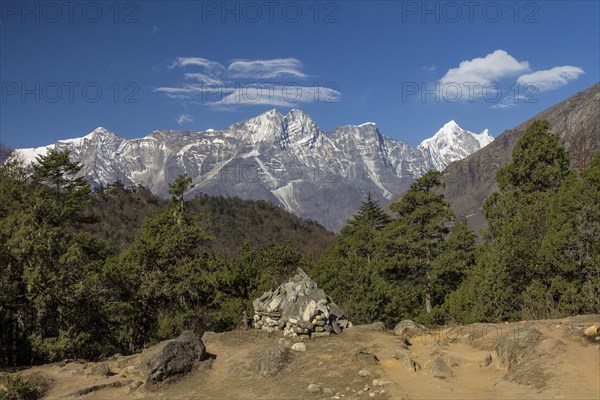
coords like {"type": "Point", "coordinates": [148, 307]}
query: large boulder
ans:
{"type": "Point", "coordinates": [517, 346]}
{"type": "Point", "coordinates": [404, 356]}
{"type": "Point", "coordinates": [173, 357]}
{"type": "Point", "coordinates": [273, 360]}
{"type": "Point", "coordinates": [438, 368]}
{"type": "Point", "coordinates": [298, 308]}
{"type": "Point", "coordinates": [408, 328]}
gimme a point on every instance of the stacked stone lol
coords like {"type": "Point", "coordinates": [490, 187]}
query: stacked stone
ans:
{"type": "Point", "coordinates": [299, 309]}
{"type": "Point", "coordinates": [268, 321]}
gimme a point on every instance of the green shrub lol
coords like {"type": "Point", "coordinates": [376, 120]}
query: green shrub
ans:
{"type": "Point", "coordinates": [17, 388]}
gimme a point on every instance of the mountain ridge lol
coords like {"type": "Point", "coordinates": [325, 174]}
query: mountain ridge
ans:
{"type": "Point", "coordinates": [284, 159]}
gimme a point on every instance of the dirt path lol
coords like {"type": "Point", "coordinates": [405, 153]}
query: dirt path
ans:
{"type": "Point", "coordinates": [566, 366]}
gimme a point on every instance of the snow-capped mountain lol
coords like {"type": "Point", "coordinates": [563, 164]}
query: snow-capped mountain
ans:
{"type": "Point", "coordinates": [452, 143]}
{"type": "Point", "coordinates": [285, 159]}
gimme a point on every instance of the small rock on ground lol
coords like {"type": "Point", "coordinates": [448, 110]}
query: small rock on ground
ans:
{"type": "Point", "coordinates": [299, 346]}
{"type": "Point", "coordinates": [313, 388]}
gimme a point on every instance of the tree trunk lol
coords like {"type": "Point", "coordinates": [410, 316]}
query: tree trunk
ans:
{"type": "Point", "coordinates": [428, 290]}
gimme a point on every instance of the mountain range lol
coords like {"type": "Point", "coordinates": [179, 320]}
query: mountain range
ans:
{"type": "Point", "coordinates": [284, 159]}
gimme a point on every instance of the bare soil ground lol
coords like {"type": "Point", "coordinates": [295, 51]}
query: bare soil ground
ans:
{"type": "Point", "coordinates": [564, 365]}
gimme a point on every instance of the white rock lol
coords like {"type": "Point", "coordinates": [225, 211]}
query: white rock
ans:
{"type": "Point", "coordinates": [299, 346]}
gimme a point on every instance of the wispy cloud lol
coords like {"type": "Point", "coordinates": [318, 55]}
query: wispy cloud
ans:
{"type": "Point", "coordinates": [550, 79]}
{"type": "Point", "coordinates": [429, 68]}
{"type": "Point", "coordinates": [196, 61]}
{"type": "Point", "coordinates": [266, 69]}
{"type": "Point", "coordinates": [204, 78]}
{"type": "Point", "coordinates": [184, 118]}
{"type": "Point", "coordinates": [277, 82]}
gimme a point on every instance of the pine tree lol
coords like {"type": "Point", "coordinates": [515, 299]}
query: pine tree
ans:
{"type": "Point", "coordinates": [412, 240]}
{"type": "Point", "coordinates": [52, 265]}
{"type": "Point", "coordinates": [455, 258]}
{"type": "Point", "coordinates": [178, 189]}
{"type": "Point", "coordinates": [345, 271]}
{"type": "Point", "coordinates": [66, 194]}
{"type": "Point", "coordinates": [358, 236]}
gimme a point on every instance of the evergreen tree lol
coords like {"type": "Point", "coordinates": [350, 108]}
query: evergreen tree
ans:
{"type": "Point", "coordinates": [178, 189]}
{"type": "Point", "coordinates": [345, 271]}
{"type": "Point", "coordinates": [66, 194]}
{"type": "Point", "coordinates": [511, 272]}
{"type": "Point", "coordinates": [358, 236]}
{"type": "Point", "coordinates": [571, 248]}
{"type": "Point", "coordinates": [162, 283]}
{"type": "Point", "coordinates": [455, 258]}
{"type": "Point", "coordinates": [411, 242]}
{"type": "Point", "coordinates": [51, 265]}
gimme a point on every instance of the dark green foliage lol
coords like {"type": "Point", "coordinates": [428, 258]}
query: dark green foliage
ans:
{"type": "Point", "coordinates": [240, 280]}
{"type": "Point", "coordinates": [63, 295]}
{"type": "Point", "coordinates": [538, 164]}
{"type": "Point", "coordinates": [178, 189]}
{"type": "Point", "coordinates": [541, 255]}
{"type": "Point", "coordinates": [455, 259]}
{"type": "Point", "coordinates": [413, 240]}
{"type": "Point", "coordinates": [230, 221]}
{"type": "Point", "coordinates": [233, 221]}
{"type": "Point", "coordinates": [18, 388]}
{"type": "Point", "coordinates": [49, 269]}
{"type": "Point", "coordinates": [346, 272]}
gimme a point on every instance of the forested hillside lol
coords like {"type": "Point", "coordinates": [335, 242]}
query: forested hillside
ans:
{"type": "Point", "coordinates": [230, 221]}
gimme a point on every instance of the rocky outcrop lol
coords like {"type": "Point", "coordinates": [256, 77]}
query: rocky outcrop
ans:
{"type": "Point", "coordinates": [515, 346]}
{"type": "Point", "coordinates": [299, 309]}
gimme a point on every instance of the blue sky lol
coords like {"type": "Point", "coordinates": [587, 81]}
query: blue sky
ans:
{"type": "Point", "coordinates": [136, 66]}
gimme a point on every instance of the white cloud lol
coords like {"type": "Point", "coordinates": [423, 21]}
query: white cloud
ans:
{"type": "Point", "coordinates": [184, 118]}
{"type": "Point", "coordinates": [154, 30]}
{"type": "Point", "coordinates": [276, 82]}
{"type": "Point", "coordinates": [277, 95]}
{"type": "Point", "coordinates": [197, 61]}
{"type": "Point", "coordinates": [204, 78]}
{"type": "Point", "coordinates": [265, 69]}
{"type": "Point", "coordinates": [484, 70]}
{"type": "Point", "coordinates": [550, 79]}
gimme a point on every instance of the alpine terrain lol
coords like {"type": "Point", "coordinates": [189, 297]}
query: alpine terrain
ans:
{"type": "Point", "coordinates": [284, 159]}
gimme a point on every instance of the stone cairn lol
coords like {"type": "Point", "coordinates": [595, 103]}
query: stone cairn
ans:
{"type": "Point", "coordinates": [300, 309]}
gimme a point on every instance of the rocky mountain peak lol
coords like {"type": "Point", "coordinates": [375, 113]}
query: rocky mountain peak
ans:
{"type": "Point", "coordinates": [301, 129]}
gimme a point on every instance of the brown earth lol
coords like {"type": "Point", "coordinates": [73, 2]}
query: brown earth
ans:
{"type": "Point", "coordinates": [563, 364]}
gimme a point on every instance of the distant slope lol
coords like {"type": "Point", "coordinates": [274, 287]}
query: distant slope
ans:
{"type": "Point", "coordinates": [469, 181]}
{"type": "Point", "coordinates": [232, 221]}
